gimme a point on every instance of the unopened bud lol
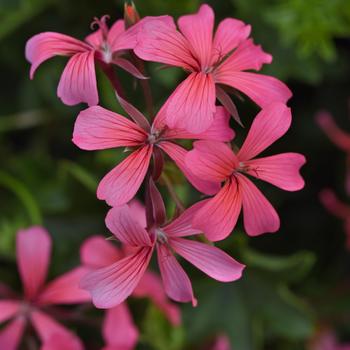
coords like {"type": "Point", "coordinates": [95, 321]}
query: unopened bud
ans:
{"type": "Point", "coordinates": [131, 16]}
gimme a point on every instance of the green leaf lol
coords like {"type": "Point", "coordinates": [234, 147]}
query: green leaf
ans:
{"type": "Point", "coordinates": [159, 333]}
{"type": "Point", "coordinates": [285, 268]}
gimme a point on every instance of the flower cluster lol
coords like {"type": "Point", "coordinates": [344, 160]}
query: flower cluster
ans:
{"type": "Point", "coordinates": [218, 63]}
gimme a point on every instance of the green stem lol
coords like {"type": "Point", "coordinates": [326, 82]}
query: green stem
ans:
{"type": "Point", "coordinates": [24, 195]}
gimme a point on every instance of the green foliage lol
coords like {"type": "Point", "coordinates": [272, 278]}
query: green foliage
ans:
{"type": "Point", "coordinates": [159, 334]}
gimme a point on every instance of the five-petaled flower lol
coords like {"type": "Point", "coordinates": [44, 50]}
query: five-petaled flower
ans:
{"type": "Point", "coordinates": [33, 256]}
{"type": "Point", "coordinates": [78, 80]}
{"type": "Point", "coordinates": [97, 128]}
{"type": "Point", "coordinates": [212, 62]}
{"type": "Point", "coordinates": [215, 161]}
{"type": "Point", "coordinates": [111, 285]}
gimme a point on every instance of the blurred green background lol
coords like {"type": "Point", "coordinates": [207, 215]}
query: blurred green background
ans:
{"type": "Point", "coordinates": [297, 280]}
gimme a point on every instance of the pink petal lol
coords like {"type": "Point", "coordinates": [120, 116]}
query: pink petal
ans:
{"type": "Point", "coordinates": [120, 39]}
{"type": "Point", "coordinates": [128, 67]}
{"type": "Point", "coordinates": [11, 334]}
{"type": "Point", "coordinates": [78, 80]}
{"type": "Point", "coordinates": [219, 215]}
{"type": "Point", "coordinates": [192, 105]}
{"type": "Point", "coordinates": [47, 327]}
{"type": "Point", "coordinates": [128, 230]}
{"type": "Point", "coordinates": [64, 341]}
{"type": "Point", "coordinates": [8, 309]}
{"type": "Point", "coordinates": [219, 130]}
{"type": "Point", "coordinates": [209, 259]}
{"type": "Point", "coordinates": [118, 328]}
{"type": "Point", "coordinates": [222, 343]}
{"type": "Point", "coordinates": [111, 285]}
{"type": "Point", "coordinates": [43, 46]}
{"type": "Point", "coordinates": [138, 212]}
{"type": "Point", "coordinates": [120, 185]}
{"type": "Point", "coordinates": [211, 161]}
{"type": "Point", "coordinates": [176, 283]}
{"type": "Point", "coordinates": [268, 126]}
{"type": "Point", "coordinates": [33, 257]}
{"type": "Point", "coordinates": [246, 56]}
{"type": "Point", "coordinates": [335, 134]}
{"type": "Point", "coordinates": [159, 41]}
{"type": "Point", "coordinates": [151, 286]}
{"type": "Point", "coordinates": [98, 128]}
{"type": "Point", "coordinates": [198, 29]}
{"type": "Point", "coordinates": [229, 34]}
{"type": "Point", "coordinates": [334, 205]}
{"type": "Point", "coordinates": [95, 39]}
{"type": "Point", "coordinates": [182, 225]}
{"type": "Point", "coordinates": [96, 252]}
{"type": "Point", "coordinates": [65, 289]}
{"type": "Point", "coordinates": [258, 214]}
{"type": "Point", "coordinates": [178, 155]}
{"type": "Point", "coordinates": [262, 89]}
{"type": "Point", "coordinates": [281, 170]}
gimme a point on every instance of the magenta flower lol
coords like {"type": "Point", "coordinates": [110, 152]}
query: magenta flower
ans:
{"type": "Point", "coordinates": [33, 256]}
{"type": "Point", "coordinates": [339, 137]}
{"type": "Point", "coordinates": [78, 80]}
{"type": "Point", "coordinates": [211, 62]}
{"type": "Point", "coordinates": [338, 209]}
{"type": "Point", "coordinates": [215, 161]}
{"type": "Point", "coordinates": [111, 285]}
{"type": "Point", "coordinates": [97, 128]}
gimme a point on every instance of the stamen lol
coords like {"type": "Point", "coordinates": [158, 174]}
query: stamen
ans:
{"type": "Point", "coordinates": [102, 24]}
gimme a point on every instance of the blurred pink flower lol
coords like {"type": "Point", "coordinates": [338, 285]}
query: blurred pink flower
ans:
{"type": "Point", "coordinates": [339, 137]}
{"type": "Point", "coordinates": [33, 257]}
{"type": "Point", "coordinates": [211, 62]}
{"type": "Point", "coordinates": [326, 340]}
{"type": "Point", "coordinates": [338, 209]}
{"type": "Point", "coordinates": [97, 128]}
{"type": "Point", "coordinates": [222, 343]}
{"type": "Point", "coordinates": [111, 285]}
{"type": "Point", "coordinates": [78, 80]}
{"type": "Point", "coordinates": [215, 161]}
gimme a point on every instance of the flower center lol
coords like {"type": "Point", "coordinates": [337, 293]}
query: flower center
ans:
{"type": "Point", "coordinates": [153, 136]}
{"type": "Point", "coordinates": [161, 236]}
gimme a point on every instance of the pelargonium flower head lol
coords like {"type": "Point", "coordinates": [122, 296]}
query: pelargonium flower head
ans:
{"type": "Point", "coordinates": [78, 80]}
{"type": "Point", "coordinates": [111, 285]}
{"type": "Point", "coordinates": [216, 161]}
{"type": "Point", "coordinates": [338, 209]}
{"type": "Point", "coordinates": [33, 257]}
{"type": "Point", "coordinates": [97, 128]}
{"type": "Point", "coordinates": [213, 62]}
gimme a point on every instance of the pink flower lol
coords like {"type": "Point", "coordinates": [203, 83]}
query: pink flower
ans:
{"type": "Point", "coordinates": [222, 343]}
{"type": "Point", "coordinates": [339, 137]}
{"type": "Point", "coordinates": [33, 256]}
{"type": "Point", "coordinates": [97, 128]}
{"type": "Point", "coordinates": [97, 253]}
{"type": "Point", "coordinates": [211, 62]}
{"type": "Point", "coordinates": [78, 81]}
{"type": "Point", "coordinates": [111, 285]}
{"type": "Point", "coordinates": [326, 340]}
{"type": "Point", "coordinates": [215, 161]}
{"type": "Point", "coordinates": [338, 209]}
